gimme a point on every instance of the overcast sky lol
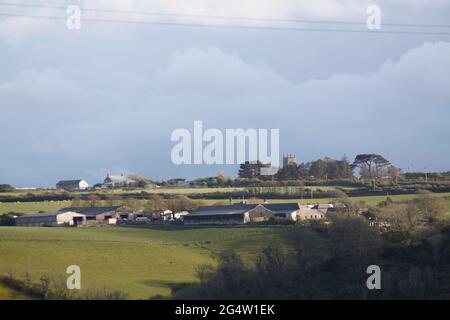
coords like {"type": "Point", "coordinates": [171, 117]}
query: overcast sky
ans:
{"type": "Point", "coordinates": [106, 98]}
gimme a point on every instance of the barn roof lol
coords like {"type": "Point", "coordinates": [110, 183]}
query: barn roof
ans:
{"type": "Point", "coordinates": [39, 215]}
{"type": "Point", "coordinates": [43, 215]}
{"type": "Point", "coordinates": [222, 210]}
{"type": "Point", "coordinates": [66, 183]}
{"type": "Point", "coordinates": [91, 211]}
{"type": "Point", "coordinates": [242, 208]}
{"type": "Point", "coordinates": [282, 206]}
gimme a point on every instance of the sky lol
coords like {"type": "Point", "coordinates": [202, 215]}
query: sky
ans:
{"type": "Point", "coordinates": [106, 98]}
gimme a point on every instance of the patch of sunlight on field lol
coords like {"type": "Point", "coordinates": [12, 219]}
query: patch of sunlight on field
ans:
{"type": "Point", "coordinates": [143, 261]}
{"type": "Point", "coordinates": [9, 294]}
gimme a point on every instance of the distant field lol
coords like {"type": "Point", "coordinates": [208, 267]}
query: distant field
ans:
{"type": "Point", "coordinates": [33, 207]}
{"type": "Point", "coordinates": [165, 190]}
{"type": "Point", "coordinates": [141, 261]}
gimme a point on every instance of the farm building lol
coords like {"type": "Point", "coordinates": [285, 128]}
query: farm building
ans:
{"type": "Point", "coordinates": [288, 211]}
{"type": "Point", "coordinates": [242, 213]}
{"type": "Point", "coordinates": [112, 181]}
{"type": "Point", "coordinates": [105, 215]}
{"type": "Point", "coordinates": [307, 213]}
{"type": "Point", "coordinates": [67, 218]}
{"type": "Point", "coordinates": [72, 185]}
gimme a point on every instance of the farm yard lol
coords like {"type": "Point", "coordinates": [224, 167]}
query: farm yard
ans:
{"type": "Point", "coordinates": [52, 206]}
{"type": "Point", "coordinates": [141, 261]}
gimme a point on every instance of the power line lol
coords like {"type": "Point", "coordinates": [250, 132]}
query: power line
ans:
{"type": "Point", "coordinates": [203, 16]}
{"type": "Point", "coordinates": [228, 26]}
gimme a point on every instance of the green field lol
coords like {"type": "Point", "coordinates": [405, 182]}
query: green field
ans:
{"type": "Point", "coordinates": [162, 190]}
{"type": "Point", "coordinates": [9, 294]}
{"type": "Point", "coordinates": [141, 261]}
{"type": "Point", "coordinates": [33, 207]}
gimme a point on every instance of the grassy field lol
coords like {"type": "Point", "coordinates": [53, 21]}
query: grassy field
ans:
{"type": "Point", "coordinates": [141, 261]}
{"type": "Point", "coordinates": [33, 207]}
{"type": "Point", "coordinates": [9, 294]}
{"type": "Point", "coordinates": [165, 190]}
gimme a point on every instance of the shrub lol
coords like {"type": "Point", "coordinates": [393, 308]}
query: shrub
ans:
{"type": "Point", "coordinates": [7, 220]}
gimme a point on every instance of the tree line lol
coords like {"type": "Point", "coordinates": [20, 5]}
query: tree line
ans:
{"type": "Point", "coordinates": [373, 166]}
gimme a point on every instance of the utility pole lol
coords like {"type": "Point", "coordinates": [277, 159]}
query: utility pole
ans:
{"type": "Point", "coordinates": [426, 175]}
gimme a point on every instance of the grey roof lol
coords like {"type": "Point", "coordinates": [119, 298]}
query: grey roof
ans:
{"type": "Point", "coordinates": [69, 182]}
{"type": "Point", "coordinates": [95, 211]}
{"type": "Point", "coordinates": [39, 215]}
{"type": "Point", "coordinates": [91, 211]}
{"type": "Point", "coordinates": [117, 179]}
{"type": "Point", "coordinates": [242, 208]}
{"type": "Point", "coordinates": [285, 207]}
{"type": "Point", "coordinates": [222, 210]}
{"type": "Point", "coordinates": [69, 209]}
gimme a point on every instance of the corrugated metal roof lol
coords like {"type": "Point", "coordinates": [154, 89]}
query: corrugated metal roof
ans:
{"type": "Point", "coordinates": [91, 211]}
{"type": "Point", "coordinates": [69, 182]}
{"type": "Point", "coordinates": [39, 215]}
{"type": "Point", "coordinates": [241, 208]}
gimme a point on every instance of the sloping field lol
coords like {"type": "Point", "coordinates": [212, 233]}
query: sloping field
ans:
{"type": "Point", "coordinates": [143, 262]}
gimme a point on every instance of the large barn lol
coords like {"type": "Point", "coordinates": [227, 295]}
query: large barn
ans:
{"type": "Point", "coordinates": [242, 213]}
{"type": "Point", "coordinates": [104, 215]}
{"type": "Point", "coordinates": [68, 218]}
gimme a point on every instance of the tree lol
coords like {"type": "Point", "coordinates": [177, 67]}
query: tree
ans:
{"type": "Point", "coordinates": [7, 220]}
{"type": "Point", "coordinates": [354, 242]}
{"type": "Point", "coordinates": [400, 216]}
{"type": "Point", "coordinates": [250, 169]}
{"type": "Point", "coordinates": [431, 207]}
{"type": "Point", "coordinates": [345, 206]}
{"type": "Point", "coordinates": [155, 205]}
{"type": "Point", "coordinates": [7, 188]}
{"type": "Point", "coordinates": [223, 180]}
{"type": "Point", "coordinates": [370, 165]}
{"type": "Point", "coordinates": [345, 170]}
{"type": "Point", "coordinates": [181, 203]}
{"type": "Point", "coordinates": [289, 172]}
{"type": "Point", "coordinates": [319, 169]}
{"type": "Point", "coordinates": [303, 171]}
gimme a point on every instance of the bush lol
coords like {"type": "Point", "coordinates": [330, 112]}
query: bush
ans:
{"type": "Point", "coordinates": [7, 188]}
{"type": "Point", "coordinates": [7, 220]}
